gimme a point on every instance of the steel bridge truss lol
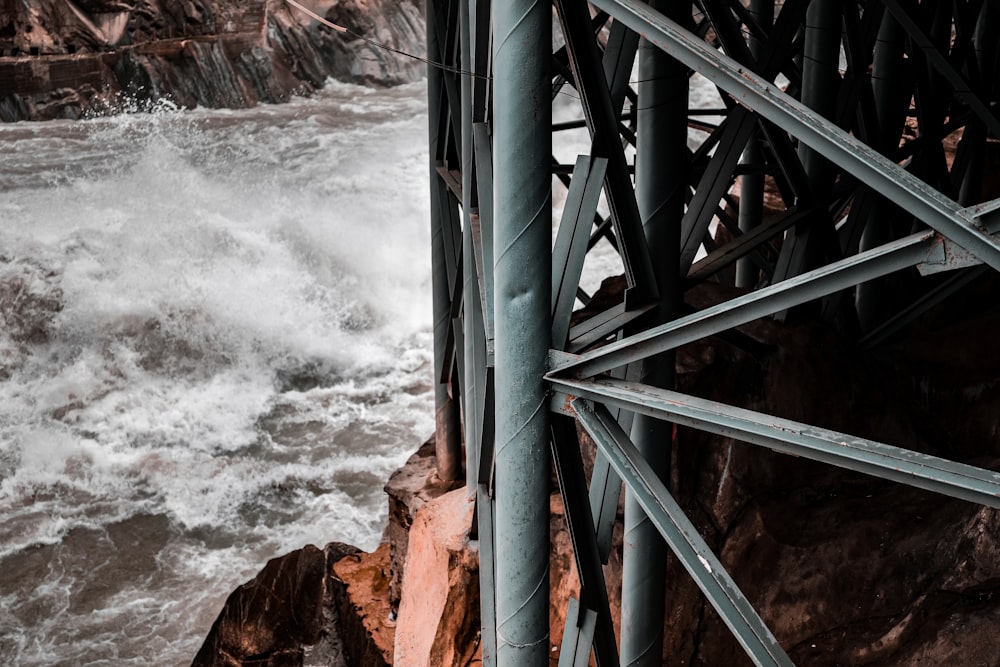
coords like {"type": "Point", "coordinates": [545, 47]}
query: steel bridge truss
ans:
{"type": "Point", "coordinates": [815, 98]}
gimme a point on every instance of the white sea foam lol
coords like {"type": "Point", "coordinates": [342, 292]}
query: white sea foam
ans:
{"type": "Point", "coordinates": [219, 351]}
{"type": "Point", "coordinates": [239, 357]}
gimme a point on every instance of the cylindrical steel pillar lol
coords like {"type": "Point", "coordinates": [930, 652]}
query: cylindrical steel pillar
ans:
{"type": "Point", "coordinates": [890, 108]}
{"type": "Point", "coordinates": [819, 78]}
{"type": "Point", "coordinates": [988, 48]}
{"type": "Point", "coordinates": [752, 182]}
{"type": "Point", "coordinates": [447, 435]}
{"type": "Point", "coordinates": [470, 290]}
{"type": "Point", "coordinates": [661, 181]}
{"type": "Point", "coordinates": [803, 247]}
{"type": "Point", "coordinates": [975, 134]}
{"type": "Point", "coordinates": [522, 117]}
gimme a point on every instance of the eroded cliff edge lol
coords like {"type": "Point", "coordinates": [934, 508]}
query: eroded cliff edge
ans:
{"type": "Point", "coordinates": [65, 58]}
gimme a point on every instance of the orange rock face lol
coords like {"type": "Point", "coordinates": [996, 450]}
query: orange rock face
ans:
{"type": "Point", "coordinates": [438, 614]}
{"type": "Point", "coordinates": [363, 608]}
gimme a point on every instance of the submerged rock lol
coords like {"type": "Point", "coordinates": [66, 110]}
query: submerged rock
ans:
{"type": "Point", "coordinates": [65, 59]}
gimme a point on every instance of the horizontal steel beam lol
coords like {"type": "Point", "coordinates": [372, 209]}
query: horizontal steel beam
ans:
{"type": "Point", "coordinates": [681, 536]}
{"type": "Point", "coordinates": [820, 282]}
{"type": "Point", "coordinates": [790, 437]}
{"type": "Point", "coordinates": [866, 164]}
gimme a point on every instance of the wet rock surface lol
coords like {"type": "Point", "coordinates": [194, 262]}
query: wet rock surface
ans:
{"type": "Point", "coordinates": [285, 616]}
{"type": "Point", "coordinates": [66, 59]}
{"type": "Point", "coordinates": [365, 617]}
{"type": "Point", "coordinates": [845, 569]}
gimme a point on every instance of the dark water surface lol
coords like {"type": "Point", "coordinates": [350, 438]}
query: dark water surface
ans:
{"type": "Point", "coordinates": [215, 348]}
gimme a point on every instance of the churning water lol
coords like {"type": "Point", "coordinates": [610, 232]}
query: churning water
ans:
{"type": "Point", "coordinates": [214, 348]}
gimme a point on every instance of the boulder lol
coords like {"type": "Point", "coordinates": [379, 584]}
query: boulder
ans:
{"type": "Point", "coordinates": [362, 598]}
{"type": "Point", "coordinates": [438, 622]}
{"type": "Point", "coordinates": [285, 616]}
{"type": "Point", "coordinates": [409, 488]}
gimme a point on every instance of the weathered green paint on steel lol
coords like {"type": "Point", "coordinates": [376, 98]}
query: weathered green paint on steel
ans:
{"type": "Point", "coordinates": [570, 248]}
{"type": "Point", "coordinates": [447, 428]}
{"type": "Point", "coordinates": [662, 174]}
{"type": "Point", "coordinates": [484, 182]}
{"type": "Point", "coordinates": [682, 537]}
{"type": "Point", "coordinates": [522, 120]}
{"type": "Point", "coordinates": [471, 307]}
{"type": "Point", "coordinates": [486, 512]}
{"type": "Point", "coordinates": [820, 282]}
{"type": "Point", "coordinates": [580, 524]}
{"type": "Point", "coordinates": [784, 435]}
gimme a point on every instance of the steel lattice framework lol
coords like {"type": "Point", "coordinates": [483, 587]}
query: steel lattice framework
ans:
{"type": "Point", "coordinates": [816, 96]}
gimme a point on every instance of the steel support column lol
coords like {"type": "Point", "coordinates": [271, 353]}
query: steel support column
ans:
{"type": "Point", "coordinates": [661, 182]}
{"type": "Point", "coordinates": [751, 211]}
{"type": "Point", "coordinates": [473, 336]}
{"type": "Point", "coordinates": [447, 433]}
{"type": "Point", "coordinates": [890, 107]}
{"type": "Point", "coordinates": [522, 116]}
{"type": "Point", "coordinates": [803, 248]}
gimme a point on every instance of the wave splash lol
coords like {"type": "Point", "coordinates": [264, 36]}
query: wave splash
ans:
{"type": "Point", "coordinates": [215, 347]}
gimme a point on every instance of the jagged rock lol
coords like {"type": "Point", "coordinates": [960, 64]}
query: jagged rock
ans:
{"type": "Point", "coordinates": [409, 489]}
{"type": "Point", "coordinates": [439, 617]}
{"type": "Point", "coordinates": [362, 598]}
{"type": "Point", "coordinates": [844, 568]}
{"type": "Point", "coordinates": [65, 59]}
{"type": "Point", "coordinates": [285, 616]}
{"type": "Point", "coordinates": [438, 620]}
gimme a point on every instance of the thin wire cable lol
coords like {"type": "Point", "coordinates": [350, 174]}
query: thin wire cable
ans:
{"type": "Point", "coordinates": [432, 63]}
{"type": "Point", "coordinates": [386, 47]}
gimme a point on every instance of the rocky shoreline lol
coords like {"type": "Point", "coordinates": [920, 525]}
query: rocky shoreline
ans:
{"type": "Point", "coordinates": [69, 59]}
{"type": "Point", "coordinates": [844, 568]}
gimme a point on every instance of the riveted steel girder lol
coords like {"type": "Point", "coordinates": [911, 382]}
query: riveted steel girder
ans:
{"type": "Point", "coordinates": [877, 262]}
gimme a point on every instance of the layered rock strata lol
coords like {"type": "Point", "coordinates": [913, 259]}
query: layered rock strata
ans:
{"type": "Point", "coordinates": [65, 58]}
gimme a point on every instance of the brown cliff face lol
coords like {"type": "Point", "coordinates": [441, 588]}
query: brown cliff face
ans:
{"type": "Point", "coordinates": [64, 58]}
{"type": "Point", "coordinates": [286, 616]}
{"type": "Point", "coordinates": [846, 569]}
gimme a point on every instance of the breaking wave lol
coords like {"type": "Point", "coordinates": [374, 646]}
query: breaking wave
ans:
{"type": "Point", "coordinates": [215, 347]}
